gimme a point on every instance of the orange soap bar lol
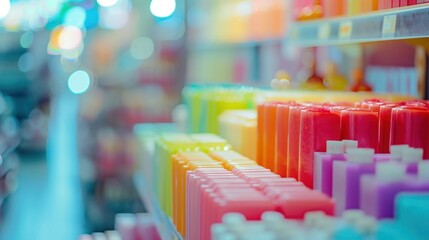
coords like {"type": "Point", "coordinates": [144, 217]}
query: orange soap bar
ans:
{"type": "Point", "coordinates": [270, 118]}
{"type": "Point", "coordinates": [282, 138]}
{"type": "Point", "coordinates": [260, 134]}
{"type": "Point", "coordinates": [182, 162]}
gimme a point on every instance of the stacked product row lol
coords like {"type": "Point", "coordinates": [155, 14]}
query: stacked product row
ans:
{"type": "Point", "coordinates": [206, 103]}
{"type": "Point", "coordinates": [360, 179]}
{"type": "Point", "coordinates": [199, 179]}
{"type": "Point", "coordinates": [312, 9]}
{"type": "Point", "coordinates": [210, 183]}
{"type": "Point", "coordinates": [248, 189]}
{"type": "Point", "coordinates": [409, 223]}
{"type": "Point", "coordinates": [128, 226]}
{"type": "Point", "coordinates": [289, 133]}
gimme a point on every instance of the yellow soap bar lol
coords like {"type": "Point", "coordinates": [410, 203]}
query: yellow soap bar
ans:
{"type": "Point", "coordinates": [168, 144]}
{"type": "Point", "coordinates": [239, 128]}
{"type": "Point", "coordinates": [209, 142]}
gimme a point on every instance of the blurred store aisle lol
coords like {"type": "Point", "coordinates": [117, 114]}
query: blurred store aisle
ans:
{"type": "Point", "coordinates": [48, 203]}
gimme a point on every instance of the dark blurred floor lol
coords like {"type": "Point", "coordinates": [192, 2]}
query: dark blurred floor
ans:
{"type": "Point", "coordinates": [48, 202]}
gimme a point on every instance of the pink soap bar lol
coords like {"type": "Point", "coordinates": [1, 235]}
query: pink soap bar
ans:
{"type": "Point", "coordinates": [396, 3]}
{"type": "Point", "coordinates": [274, 192]}
{"type": "Point", "coordinates": [317, 126]}
{"type": "Point", "coordinates": [146, 228]}
{"type": "Point", "coordinates": [125, 224]}
{"type": "Point", "coordinates": [377, 197]}
{"type": "Point", "coordinates": [251, 205]}
{"type": "Point", "coordinates": [323, 164]}
{"type": "Point", "coordinates": [296, 204]}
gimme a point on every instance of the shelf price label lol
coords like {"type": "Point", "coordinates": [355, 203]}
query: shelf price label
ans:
{"type": "Point", "coordinates": [389, 26]}
{"type": "Point", "coordinates": [324, 31]}
{"type": "Point", "coordinates": [345, 30]}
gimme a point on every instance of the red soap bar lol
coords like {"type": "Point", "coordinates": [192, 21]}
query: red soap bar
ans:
{"type": "Point", "coordinates": [260, 134]}
{"type": "Point", "coordinates": [296, 204]}
{"type": "Point", "coordinates": [410, 125]}
{"type": "Point", "coordinates": [417, 103]}
{"type": "Point", "coordinates": [368, 102]}
{"type": "Point", "coordinates": [293, 149]}
{"type": "Point", "coordinates": [360, 125]}
{"type": "Point", "coordinates": [282, 138]}
{"type": "Point", "coordinates": [385, 126]}
{"type": "Point", "coordinates": [317, 126]}
{"type": "Point", "coordinates": [422, 1]}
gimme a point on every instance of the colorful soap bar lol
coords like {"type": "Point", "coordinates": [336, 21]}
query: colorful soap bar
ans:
{"type": "Point", "coordinates": [360, 125]}
{"type": "Point", "coordinates": [385, 126]}
{"type": "Point", "coordinates": [377, 193]}
{"type": "Point", "coordinates": [323, 164]}
{"type": "Point", "coordinates": [282, 138]}
{"type": "Point", "coordinates": [260, 157]}
{"type": "Point", "coordinates": [269, 148]}
{"type": "Point", "coordinates": [346, 177]}
{"type": "Point", "coordinates": [317, 126]}
{"type": "Point", "coordinates": [294, 140]}
{"type": "Point", "coordinates": [409, 126]}
{"type": "Point", "coordinates": [239, 128]}
{"type": "Point", "coordinates": [412, 211]}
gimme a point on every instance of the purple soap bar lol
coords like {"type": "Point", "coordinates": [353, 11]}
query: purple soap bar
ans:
{"type": "Point", "coordinates": [382, 157]}
{"type": "Point", "coordinates": [346, 183]}
{"type": "Point", "coordinates": [377, 196]}
{"type": "Point", "coordinates": [323, 170]}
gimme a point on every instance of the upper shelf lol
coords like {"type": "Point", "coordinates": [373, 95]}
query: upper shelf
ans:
{"type": "Point", "coordinates": [216, 46]}
{"type": "Point", "coordinates": [392, 24]}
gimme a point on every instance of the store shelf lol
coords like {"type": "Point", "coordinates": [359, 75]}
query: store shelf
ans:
{"type": "Point", "coordinates": [392, 24]}
{"type": "Point", "coordinates": [165, 227]}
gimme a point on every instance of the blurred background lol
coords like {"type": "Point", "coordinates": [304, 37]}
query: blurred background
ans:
{"type": "Point", "coordinates": [77, 75]}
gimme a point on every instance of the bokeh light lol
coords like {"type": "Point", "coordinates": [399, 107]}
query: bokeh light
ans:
{"type": "Point", "coordinates": [70, 38]}
{"type": "Point", "coordinates": [119, 12]}
{"type": "Point", "coordinates": [72, 53]}
{"type": "Point", "coordinates": [25, 62]}
{"type": "Point", "coordinates": [142, 48]}
{"type": "Point", "coordinates": [75, 17]}
{"type": "Point", "coordinates": [4, 8]}
{"type": "Point", "coordinates": [162, 8]}
{"type": "Point", "coordinates": [79, 82]}
{"type": "Point", "coordinates": [107, 3]}
{"type": "Point", "coordinates": [26, 39]}
{"type": "Point", "coordinates": [54, 45]}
